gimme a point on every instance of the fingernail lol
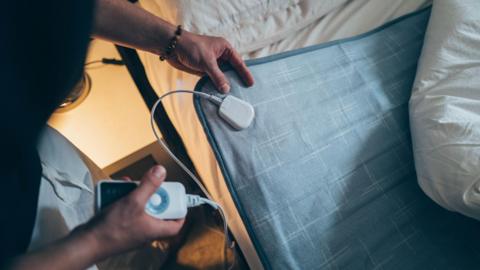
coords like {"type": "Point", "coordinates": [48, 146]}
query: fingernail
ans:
{"type": "Point", "coordinates": [225, 87]}
{"type": "Point", "coordinates": [158, 171]}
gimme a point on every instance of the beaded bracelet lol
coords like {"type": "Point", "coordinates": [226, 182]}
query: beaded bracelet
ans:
{"type": "Point", "coordinates": [171, 45]}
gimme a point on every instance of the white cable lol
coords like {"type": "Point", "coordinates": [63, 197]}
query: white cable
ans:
{"type": "Point", "coordinates": [201, 200]}
{"type": "Point", "coordinates": [195, 200]}
{"type": "Point", "coordinates": [164, 145]}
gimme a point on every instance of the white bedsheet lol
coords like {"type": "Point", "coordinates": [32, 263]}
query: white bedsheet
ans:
{"type": "Point", "coordinates": [353, 18]}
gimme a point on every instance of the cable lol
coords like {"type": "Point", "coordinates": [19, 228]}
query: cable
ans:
{"type": "Point", "coordinates": [195, 200]}
{"type": "Point", "coordinates": [107, 61]}
{"type": "Point", "coordinates": [93, 62]}
{"type": "Point", "coordinates": [213, 98]}
{"type": "Point", "coordinates": [228, 244]}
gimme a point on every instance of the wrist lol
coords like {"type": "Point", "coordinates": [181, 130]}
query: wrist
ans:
{"type": "Point", "coordinates": [86, 236]}
{"type": "Point", "coordinates": [163, 34]}
{"type": "Point", "coordinates": [172, 44]}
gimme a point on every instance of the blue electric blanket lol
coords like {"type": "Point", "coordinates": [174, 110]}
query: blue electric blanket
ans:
{"type": "Point", "coordinates": [324, 178]}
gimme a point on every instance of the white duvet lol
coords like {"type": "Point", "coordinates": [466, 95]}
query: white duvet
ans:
{"type": "Point", "coordinates": [247, 24]}
{"type": "Point", "coordinates": [445, 107]}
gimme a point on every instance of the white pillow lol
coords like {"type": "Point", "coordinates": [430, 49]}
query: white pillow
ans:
{"type": "Point", "coordinates": [445, 107]}
{"type": "Point", "coordinates": [247, 24]}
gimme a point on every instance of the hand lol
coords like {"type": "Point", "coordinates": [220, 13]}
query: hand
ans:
{"type": "Point", "coordinates": [198, 55]}
{"type": "Point", "coordinates": [124, 225]}
{"type": "Point", "coordinates": [121, 227]}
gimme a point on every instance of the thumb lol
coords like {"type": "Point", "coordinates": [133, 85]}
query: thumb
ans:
{"type": "Point", "coordinates": [150, 182]}
{"type": "Point", "coordinates": [217, 77]}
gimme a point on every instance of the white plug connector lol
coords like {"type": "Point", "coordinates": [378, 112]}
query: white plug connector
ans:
{"type": "Point", "coordinates": [236, 112]}
{"type": "Point", "coordinates": [195, 200]}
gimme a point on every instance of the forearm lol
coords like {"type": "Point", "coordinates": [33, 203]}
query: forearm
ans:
{"type": "Point", "coordinates": [123, 23]}
{"type": "Point", "coordinates": [79, 250]}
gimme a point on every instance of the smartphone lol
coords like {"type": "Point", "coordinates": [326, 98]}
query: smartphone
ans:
{"type": "Point", "coordinates": [109, 191]}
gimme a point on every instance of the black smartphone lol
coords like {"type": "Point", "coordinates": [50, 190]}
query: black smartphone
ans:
{"type": "Point", "coordinates": [109, 191]}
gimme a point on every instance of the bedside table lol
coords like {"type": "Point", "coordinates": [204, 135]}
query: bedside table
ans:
{"type": "Point", "coordinates": [112, 125]}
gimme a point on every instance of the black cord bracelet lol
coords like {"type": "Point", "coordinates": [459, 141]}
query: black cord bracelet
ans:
{"type": "Point", "coordinates": [172, 44]}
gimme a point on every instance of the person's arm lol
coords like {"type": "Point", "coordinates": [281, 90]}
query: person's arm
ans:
{"type": "Point", "coordinates": [79, 250]}
{"type": "Point", "coordinates": [121, 227]}
{"type": "Point", "coordinates": [124, 23]}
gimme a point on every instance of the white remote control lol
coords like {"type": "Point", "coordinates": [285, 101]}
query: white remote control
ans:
{"type": "Point", "coordinates": [168, 202]}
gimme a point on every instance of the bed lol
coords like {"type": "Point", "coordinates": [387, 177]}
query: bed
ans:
{"type": "Point", "coordinates": [335, 21]}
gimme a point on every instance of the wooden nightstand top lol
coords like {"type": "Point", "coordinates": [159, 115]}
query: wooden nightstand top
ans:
{"type": "Point", "coordinates": [112, 122]}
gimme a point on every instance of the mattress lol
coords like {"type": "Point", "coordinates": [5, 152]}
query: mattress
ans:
{"type": "Point", "coordinates": [324, 178]}
{"type": "Point", "coordinates": [351, 19]}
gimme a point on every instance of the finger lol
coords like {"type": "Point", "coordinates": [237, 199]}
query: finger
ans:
{"type": "Point", "coordinates": [172, 227]}
{"type": "Point", "coordinates": [176, 223]}
{"type": "Point", "coordinates": [126, 178]}
{"type": "Point", "coordinates": [217, 77]}
{"type": "Point", "coordinates": [232, 56]}
{"type": "Point", "coordinates": [150, 182]}
{"type": "Point", "coordinates": [165, 228]}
